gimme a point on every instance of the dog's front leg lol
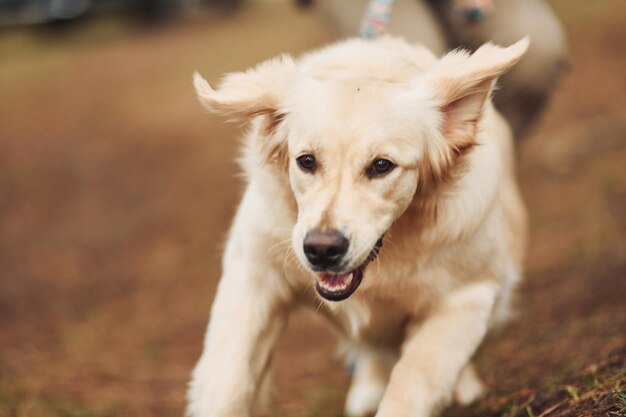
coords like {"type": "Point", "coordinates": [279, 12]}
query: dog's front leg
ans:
{"type": "Point", "coordinates": [433, 356]}
{"type": "Point", "coordinates": [248, 314]}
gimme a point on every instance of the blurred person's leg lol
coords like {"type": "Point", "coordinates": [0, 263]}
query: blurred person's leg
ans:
{"type": "Point", "coordinates": [410, 19]}
{"type": "Point", "coordinates": [524, 91]}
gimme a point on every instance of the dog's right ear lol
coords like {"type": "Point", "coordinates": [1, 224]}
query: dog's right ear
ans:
{"type": "Point", "coordinates": [257, 91]}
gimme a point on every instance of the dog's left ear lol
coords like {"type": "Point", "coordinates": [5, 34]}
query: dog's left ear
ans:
{"type": "Point", "coordinates": [463, 83]}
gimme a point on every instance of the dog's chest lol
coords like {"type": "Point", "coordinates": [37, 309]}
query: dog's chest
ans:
{"type": "Point", "coordinates": [380, 311]}
{"type": "Point", "coordinates": [382, 323]}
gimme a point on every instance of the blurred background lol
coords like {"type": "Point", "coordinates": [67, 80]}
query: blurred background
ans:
{"type": "Point", "coordinates": [117, 189]}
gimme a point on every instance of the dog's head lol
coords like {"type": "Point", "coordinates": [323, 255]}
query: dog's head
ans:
{"type": "Point", "coordinates": [360, 128]}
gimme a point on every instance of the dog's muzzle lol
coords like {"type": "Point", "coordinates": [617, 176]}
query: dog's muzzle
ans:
{"type": "Point", "coordinates": [339, 286]}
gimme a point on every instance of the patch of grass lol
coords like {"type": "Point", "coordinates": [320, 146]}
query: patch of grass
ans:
{"type": "Point", "coordinates": [621, 400]}
{"type": "Point", "coordinates": [592, 390]}
{"type": "Point", "coordinates": [573, 392]}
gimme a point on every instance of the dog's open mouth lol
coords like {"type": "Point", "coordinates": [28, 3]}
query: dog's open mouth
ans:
{"type": "Point", "coordinates": [337, 287]}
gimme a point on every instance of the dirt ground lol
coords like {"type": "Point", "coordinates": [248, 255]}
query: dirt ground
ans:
{"type": "Point", "coordinates": [116, 191]}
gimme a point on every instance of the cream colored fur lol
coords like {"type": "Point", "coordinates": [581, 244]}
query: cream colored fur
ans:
{"type": "Point", "coordinates": [450, 211]}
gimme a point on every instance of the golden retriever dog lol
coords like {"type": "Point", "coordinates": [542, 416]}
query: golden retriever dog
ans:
{"type": "Point", "coordinates": [380, 184]}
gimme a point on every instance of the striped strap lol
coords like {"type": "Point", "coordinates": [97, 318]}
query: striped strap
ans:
{"type": "Point", "coordinates": [376, 18]}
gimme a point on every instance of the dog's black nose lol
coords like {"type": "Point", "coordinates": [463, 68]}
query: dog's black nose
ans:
{"type": "Point", "coordinates": [325, 250]}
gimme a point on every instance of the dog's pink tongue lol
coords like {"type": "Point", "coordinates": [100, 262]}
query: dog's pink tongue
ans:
{"type": "Point", "coordinates": [332, 279]}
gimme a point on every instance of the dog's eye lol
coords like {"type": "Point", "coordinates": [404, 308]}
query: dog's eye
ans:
{"type": "Point", "coordinates": [307, 163]}
{"type": "Point", "coordinates": [379, 168]}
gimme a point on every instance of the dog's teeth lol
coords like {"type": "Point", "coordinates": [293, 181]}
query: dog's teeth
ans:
{"type": "Point", "coordinates": [336, 286]}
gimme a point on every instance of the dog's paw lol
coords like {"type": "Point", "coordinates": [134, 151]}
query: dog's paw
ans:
{"type": "Point", "coordinates": [469, 387]}
{"type": "Point", "coordinates": [363, 399]}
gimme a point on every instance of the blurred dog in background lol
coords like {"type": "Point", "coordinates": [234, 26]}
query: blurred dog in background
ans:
{"type": "Point", "coordinates": [355, 146]}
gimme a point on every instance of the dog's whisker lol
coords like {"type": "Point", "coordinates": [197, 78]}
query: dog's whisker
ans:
{"type": "Point", "coordinates": [389, 240]}
{"type": "Point", "coordinates": [289, 257]}
{"type": "Point", "coordinates": [385, 257]}
{"type": "Point", "coordinates": [310, 289]}
{"type": "Point", "coordinates": [320, 304]}
{"type": "Point", "coordinates": [282, 242]}
{"type": "Point", "coordinates": [378, 266]}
